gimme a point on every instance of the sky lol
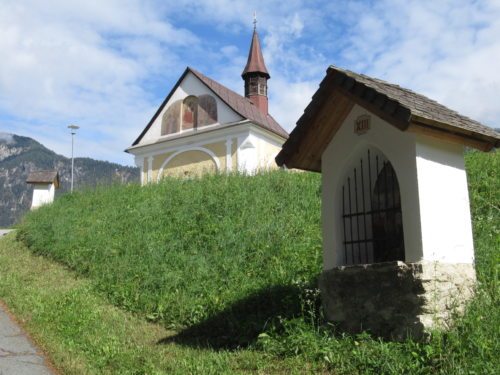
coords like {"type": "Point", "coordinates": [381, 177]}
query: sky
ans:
{"type": "Point", "coordinates": [107, 65]}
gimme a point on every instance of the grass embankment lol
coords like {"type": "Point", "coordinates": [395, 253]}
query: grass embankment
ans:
{"type": "Point", "coordinates": [84, 334]}
{"type": "Point", "coordinates": [223, 259]}
{"type": "Point", "coordinates": [182, 252]}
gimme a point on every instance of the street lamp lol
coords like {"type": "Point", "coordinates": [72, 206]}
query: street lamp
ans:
{"type": "Point", "coordinates": [73, 129]}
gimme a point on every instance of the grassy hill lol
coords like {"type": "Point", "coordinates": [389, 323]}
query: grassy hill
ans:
{"type": "Point", "coordinates": [184, 251]}
{"type": "Point", "coordinates": [232, 262]}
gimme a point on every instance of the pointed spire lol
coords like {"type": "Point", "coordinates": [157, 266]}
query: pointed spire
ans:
{"type": "Point", "coordinates": [255, 62]}
{"type": "Point", "coordinates": [255, 73]}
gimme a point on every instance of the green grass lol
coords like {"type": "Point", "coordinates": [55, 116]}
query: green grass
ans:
{"type": "Point", "coordinates": [230, 263]}
{"type": "Point", "coordinates": [84, 334]}
{"type": "Point", "coordinates": [186, 252]}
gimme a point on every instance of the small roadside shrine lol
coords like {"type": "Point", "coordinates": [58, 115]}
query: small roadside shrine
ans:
{"type": "Point", "coordinates": [44, 185]}
{"type": "Point", "coordinates": [397, 235]}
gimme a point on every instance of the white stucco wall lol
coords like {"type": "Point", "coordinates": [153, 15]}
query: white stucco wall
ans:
{"type": "Point", "coordinates": [190, 85]}
{"type": "Point", "coordinates": [433, 188]}
{"type": "Point", "coordinates": [444, 202]}
{"type": "Point", "coordinates": [139, 163]}
{"type": "Point", "coordinates": [257, 150]}
{"type": "Point", "coordinates": [340, 158]}
{"type": "Point", "coordinates": [268, 148]}
{"type": "Point", "coordinates": [246, 154]}
{"type": "Point", "coordinates": [42, 194]}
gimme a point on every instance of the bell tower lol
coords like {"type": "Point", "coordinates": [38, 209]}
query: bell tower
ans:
{"type": "Point", "coordinates": [256, 75]}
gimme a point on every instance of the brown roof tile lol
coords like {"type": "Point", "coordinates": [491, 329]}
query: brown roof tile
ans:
{"type": "Point", "coordinates": [398, 106]}
{"type": "Point", "coordinates": [419, 105]}
{"type": "Point", "coordinates": [241, 105]}
{"type": "Point", "coordinates": [255, 61]}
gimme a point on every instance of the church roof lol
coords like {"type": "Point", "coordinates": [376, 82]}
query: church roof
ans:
{"type": "Point", "coordinates": [241, 105]}
{"type": "Point", "coordinates": [400, 107]}
{"type": "Point", "coordinates": [255, 61]}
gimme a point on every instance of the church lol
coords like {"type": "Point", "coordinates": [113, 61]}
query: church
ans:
{"type": "Point", "coordinates": [202, 126]}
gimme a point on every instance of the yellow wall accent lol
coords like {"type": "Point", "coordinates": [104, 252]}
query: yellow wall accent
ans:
{"type": "Point", "coordinates": [191, 162]}
{"type": "Point", "coordinates": [219, 149]}
{"type": "Point", "coordinates": [234, 147]}
{"type": "Point", "coordinates": [268, 152]}
{"type": "Point", "coordinates": [195, 162]}
{"type": "Point", "coordinates": [159, 159]}
{"type": "Point", "coordinates": [145, 170]}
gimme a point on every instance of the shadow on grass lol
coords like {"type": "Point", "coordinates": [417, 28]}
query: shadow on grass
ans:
{"type": "Point", "coordinates": [239, 325]}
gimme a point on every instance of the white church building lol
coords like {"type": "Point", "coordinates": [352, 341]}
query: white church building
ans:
{"type": "Point", "coordinates": [202, 126]}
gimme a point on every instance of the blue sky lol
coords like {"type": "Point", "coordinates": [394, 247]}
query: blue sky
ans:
{"type": "Point", "coordinates": [107, 65]}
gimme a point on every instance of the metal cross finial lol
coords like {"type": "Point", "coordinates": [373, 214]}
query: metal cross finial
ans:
{"type": "Point", "coordinates": [254, 20]}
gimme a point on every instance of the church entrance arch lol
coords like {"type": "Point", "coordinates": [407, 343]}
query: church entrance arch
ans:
{"type": "Point", "coordinates": [190, 162]}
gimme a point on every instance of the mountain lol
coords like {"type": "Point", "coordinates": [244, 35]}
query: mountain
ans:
{"type": "Point", "coordinates": [21, 155]}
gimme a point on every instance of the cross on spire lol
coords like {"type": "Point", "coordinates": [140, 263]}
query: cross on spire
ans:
{"type": "Point", "coordinates": [255, 73]}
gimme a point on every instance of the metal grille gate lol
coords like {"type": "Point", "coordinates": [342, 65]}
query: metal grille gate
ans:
{"type": "Point", "coordinates": [371, 213]}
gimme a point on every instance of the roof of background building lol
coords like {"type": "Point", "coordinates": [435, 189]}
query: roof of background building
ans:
{"type": "Point", "coordinates": [241, 105]}
{"type": "Point", "coordinates": [255, 61]}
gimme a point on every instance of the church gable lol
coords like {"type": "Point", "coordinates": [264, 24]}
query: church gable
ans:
{"type": "Point", "coordinates": [190, 105]}
{"type": "Point", "coordinates": [203, 126]}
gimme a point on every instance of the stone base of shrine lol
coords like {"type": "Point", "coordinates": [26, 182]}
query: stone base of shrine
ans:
{"type": "Point", "coordinates": [396, 300]}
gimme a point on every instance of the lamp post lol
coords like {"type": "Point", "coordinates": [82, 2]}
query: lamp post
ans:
{"type": "Point", "coordinates": [73, 129]}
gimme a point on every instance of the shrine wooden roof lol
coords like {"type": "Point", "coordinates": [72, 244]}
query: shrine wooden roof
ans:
{"type": "Point", "coordinates": [43, 177]}
{"type": "Point", "coordinates": [402, 108]}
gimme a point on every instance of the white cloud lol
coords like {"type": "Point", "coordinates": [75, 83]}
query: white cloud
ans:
{"type": "Point", "coordinates": [289, 100]}
{"type": "Point", "coordinates": [448, 50]}
{"type": "Point", "coordinates": [104, 65]}
{"type": "Point", "coordinates": [86, 63]}
{"type": "Point", "coordinates": [6, 137]}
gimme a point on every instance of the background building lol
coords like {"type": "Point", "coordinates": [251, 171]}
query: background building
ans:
{"type": "Point", "coordinates": [203, 126]}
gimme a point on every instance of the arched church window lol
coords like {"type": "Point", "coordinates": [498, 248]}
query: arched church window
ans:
{"type": "Point", "coordinates": [170, 120]}
{"type": "Point", "coordinates": [189, 113]}
{"type": "Point", "coordinates": [207, 110]}
{"type": "Point", "coordinates": [371, 213]}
